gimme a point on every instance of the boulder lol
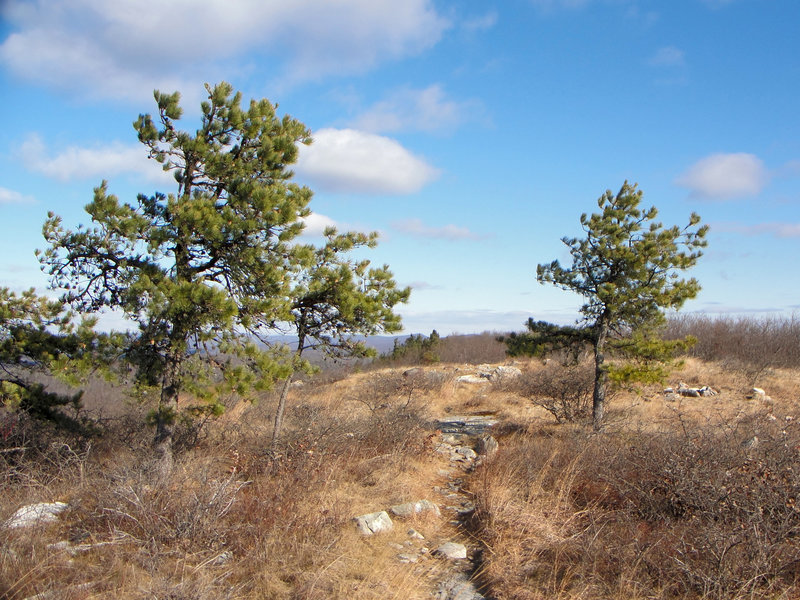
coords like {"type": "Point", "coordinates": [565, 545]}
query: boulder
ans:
{"type": "Point", "coordinates": [36, 514]}
{"type": "Point", "coordinates": [373, 523]}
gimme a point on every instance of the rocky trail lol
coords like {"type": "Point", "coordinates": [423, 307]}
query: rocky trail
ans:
{"type": "Point", "coordinates": [461, 444]}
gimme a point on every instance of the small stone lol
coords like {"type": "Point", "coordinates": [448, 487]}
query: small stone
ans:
{"type": "Point", "coordinates": [223, 559]}
{"type": "Point", "coordinates": [408, 558]}
{"type": "Point", "coordinates": [396, 546]}
{"type": "Point", "coordinates": [452, 551]}
{"type": "Point", "coordinates": [372, 523]}
{"type": "Point", "coordinates": [413, 533]}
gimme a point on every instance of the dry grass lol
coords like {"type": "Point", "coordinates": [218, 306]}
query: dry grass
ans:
{"type": "Point", "coordinates": [234, 521]}
{"type": "Point", "coordinates": [666, 503]}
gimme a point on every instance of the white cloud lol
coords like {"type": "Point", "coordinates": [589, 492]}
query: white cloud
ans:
{"type": "Point", "coordinates": [8, 196]}
{"type": "Point", "coordinates": [417, 228]}
{"type": "Point", "coordinates": [96, 162]}
{"type": "Point", "coordinates": [346, 160]}
{"type": "Point", "coordinates": [316, 224]}
{"type": "Point", "coordinates": [415, 110]}
{"type": "Point", "coordinates": [725, 176]}
{"type": "Point", "coordinates": [668, 56]}
{"type": "Point", "coordinates": [126, 48]}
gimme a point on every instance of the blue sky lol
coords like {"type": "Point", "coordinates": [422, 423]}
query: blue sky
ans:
{"type": "Point", "coordinates": [471, 135]}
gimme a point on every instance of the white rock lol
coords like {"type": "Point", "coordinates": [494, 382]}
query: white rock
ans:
{"type": "Point", "coordinates": [414, 508]}
{"type": "Point", "coordinates": [451, 551]}
{"type": "Point", "coordinates": [372, 523]}
{"type": "Point", "coordinates": [467, 453]}
{"type": "Point", "coordinates": [36, 514]}
{"type": "Point", "coordinates": [505, 373]}
{"type": "Point", "coordinates": [471, 379]}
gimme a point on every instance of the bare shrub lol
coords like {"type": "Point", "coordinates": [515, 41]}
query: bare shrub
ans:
{"type": "Point", "coordinates": [752, 345]}
{"type": "Point", "coordinates": [704, 510]}
{"type": "Point", "coordinates": [382, 389]}
{"type": "Point", "coordinates": [473, 349]}
{"type": "Point", "coordinates": [565, 391]}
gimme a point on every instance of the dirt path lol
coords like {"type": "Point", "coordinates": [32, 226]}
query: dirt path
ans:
{"type": "Point", "coordinates": [463, 442]}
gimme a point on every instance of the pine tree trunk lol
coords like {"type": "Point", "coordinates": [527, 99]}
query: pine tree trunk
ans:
{"type": "Point", "coordinates": [165, 418]}
{"type": "Point", "coordinates": [276, 429]}
{"type": "Point", "coordinates": [600, 376]}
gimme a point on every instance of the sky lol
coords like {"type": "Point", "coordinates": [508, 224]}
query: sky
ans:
{"type": "Point", "coordinates": [471, 135]}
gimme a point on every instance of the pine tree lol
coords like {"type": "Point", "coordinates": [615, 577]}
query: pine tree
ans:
{"type": "Point", "coordinates": [337, 300]}
{"type": "Point", "coordinates": [40, 339]}
{"type": "Point", "coordinates": [203, 269]}
{"type": "Point", "coordinates": [627, 269]}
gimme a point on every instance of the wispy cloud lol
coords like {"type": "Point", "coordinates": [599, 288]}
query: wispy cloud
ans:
{"type": "Point", "coordinates": [105, 48]}
{"type": "Point", "coordinates": [448, 322]}
{"type": "Point", "coordinates": [427, 109]}
{"type": "Point", "coordinates": [417, 228]}
{"type": "Point", "coordinates": [668, 56]}
{"type": "Point", "coordinates": [419, 286]}
{"type": "Point", "coordinates": [75, 162]}
{"type": "Point", "coordinates": [8, 196]}
{"type": "Point", "coordinates": [725, 176]}
{"type": "Point", "coordinates": [774, 229]}
{"type": "Point", "coordinates": [347, 160]}
{"type": "Point", "coordinates": [480, 23]}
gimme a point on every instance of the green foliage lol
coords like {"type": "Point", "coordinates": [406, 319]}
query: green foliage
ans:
{"type": "Point", "coordinates": [627, 268]}
{"type": "Point", "coordinates": [38, 338]}
{"type": "Point", "coordinates": [336, 297]}
{"type": "Point", "coordinates": [202, 269]}
{"type": "Point", "coordinates": [543, 338]}
{"type": "Point", "coordinates": [416, 349]}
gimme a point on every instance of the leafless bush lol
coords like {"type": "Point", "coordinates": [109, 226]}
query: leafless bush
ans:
{"type": "Point", "coordinates": [565, 391]}
{"type": "Point", "coordinates": [381, 390]}
{"type": "Point", "coordinates": [696, 511]}
{"type": "Point", "coordinates": [472, 349]}
{"type": "Point", "coordinates": [752, 345]}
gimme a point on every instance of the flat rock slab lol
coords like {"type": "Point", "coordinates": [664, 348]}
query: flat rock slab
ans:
{"type": "Point", "coordinates": [471, 379]}
{"type": "Point", "coordinates": [36, 514]}
{"type": "Point", "coordinates": [373, 523]}
{"type": "Point", "coordinates": [469, 425]}
{"type": "Point", "coordinates": [409, 509]}
{"type": "Point", "coordinates": [457, 587]}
